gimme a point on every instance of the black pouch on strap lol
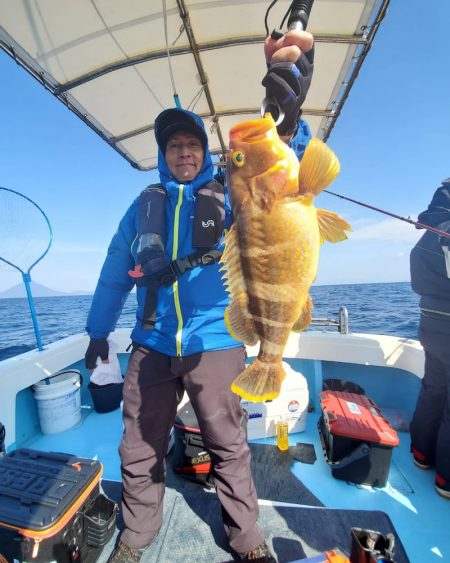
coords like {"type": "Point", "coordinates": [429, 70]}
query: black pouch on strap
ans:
{"type": "Point", "coordinates": [151, 210]}
{"type": "Point", "coordinates": [209, 215]}
{"type": "Point", "coordinates": [151, 253]}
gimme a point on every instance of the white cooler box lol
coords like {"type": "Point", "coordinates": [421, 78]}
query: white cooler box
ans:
{"type": "Point", "coordinates": [291, 404]}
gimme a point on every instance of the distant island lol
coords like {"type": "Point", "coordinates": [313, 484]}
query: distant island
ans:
{"type": "Point", "coordinates": [37, 290]}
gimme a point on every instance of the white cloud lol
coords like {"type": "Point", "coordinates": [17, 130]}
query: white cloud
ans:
{"type": "Point", "coordinates": [392, 230]}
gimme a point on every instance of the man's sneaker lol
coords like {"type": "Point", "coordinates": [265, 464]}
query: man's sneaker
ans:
{"type": "Point", "coordinates": [125, 554]}
{"type": "Point", "coordinates": [420, 460]}
{"type": "Point", "coordinates": [442, 487]}
{"type": "Point", "coordinates": [421, 465]}
{"type": "Point", "coordinates": [260, 554]}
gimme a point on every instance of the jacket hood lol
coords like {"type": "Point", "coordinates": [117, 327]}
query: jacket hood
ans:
{"type": "Point", "coordinates": [439, 209]}
{"type": "Point", "coordinates": [206, 173]}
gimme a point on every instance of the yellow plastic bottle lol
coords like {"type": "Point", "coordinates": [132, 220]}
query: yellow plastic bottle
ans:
{"type": "Point", "coordinates": [282, 435]}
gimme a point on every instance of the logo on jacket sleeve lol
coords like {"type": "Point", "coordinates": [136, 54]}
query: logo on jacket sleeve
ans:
{"type": "Point", "coordinates": [208, 223]}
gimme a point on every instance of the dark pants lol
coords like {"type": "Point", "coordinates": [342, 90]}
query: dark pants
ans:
{"type": "Point", "coordinates": [430, 426]}
{"type": "Point", "coordinates": [154, 386]}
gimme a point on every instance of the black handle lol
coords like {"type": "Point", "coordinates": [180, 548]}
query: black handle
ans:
{"type": "Point", "coordinates": [300, 12]}
{"type": "Point", "coordinates": [360, 452]}
{"type": "Point", "coordinates": [62, 372]}
{"type": "Point", "coordinates": [2, 439]}
{"type": "Point", "coordinates": [151, 301]}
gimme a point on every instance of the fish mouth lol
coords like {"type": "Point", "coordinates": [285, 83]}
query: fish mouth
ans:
{"type": "Point", "coordinates": [253, 131]}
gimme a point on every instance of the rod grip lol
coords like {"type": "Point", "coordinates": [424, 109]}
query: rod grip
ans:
{"type": "Point", "coordinates": [299, 15]}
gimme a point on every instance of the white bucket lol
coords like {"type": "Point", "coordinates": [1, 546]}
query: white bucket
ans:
{"type": "Point", "coordinates": [58, 401]}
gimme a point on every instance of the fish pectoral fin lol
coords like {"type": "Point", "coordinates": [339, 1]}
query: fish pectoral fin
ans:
{"type": "Point", "coordinates": [260, 381]}
{"type": "Point", "coordinates": [318, 167]}
{"type": "Point", "coordinates": [239, 322]}
{"type": "Point", "coordinates": [305, 317]}
{"type": "Point", "coordinates": [269, 186]}
{"type": "Point", "coordinates": [331, 227]}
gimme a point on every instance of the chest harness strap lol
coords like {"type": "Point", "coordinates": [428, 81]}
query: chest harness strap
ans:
{"type": "Point", "coordinates": [153, 269]}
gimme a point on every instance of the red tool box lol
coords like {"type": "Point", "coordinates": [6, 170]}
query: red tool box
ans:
{"type": "Point", "coordinates": [356, 439]}
{"type": "Point", "coordinates": [51, 508]}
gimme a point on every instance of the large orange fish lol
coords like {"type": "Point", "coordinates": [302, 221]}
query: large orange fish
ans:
{"type": "Point", "coordinates": [272, 250]}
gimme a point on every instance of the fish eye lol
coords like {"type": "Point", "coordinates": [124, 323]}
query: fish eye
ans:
{"type": "Point", "coordinates": [237, 158]}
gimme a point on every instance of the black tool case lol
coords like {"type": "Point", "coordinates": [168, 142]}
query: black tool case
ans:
{"type": "Point", "coordinates": [357, 441]}
{"type": "Point", "coordinates": [190, 458]}
{"type": "Point", "coordinates": [51, 508]}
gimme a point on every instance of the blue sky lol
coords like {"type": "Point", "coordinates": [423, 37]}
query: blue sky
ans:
{"type": "Point", "coordinates": [392, 139]}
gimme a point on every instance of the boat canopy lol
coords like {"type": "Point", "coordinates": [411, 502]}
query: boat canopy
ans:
{"type": "Point", "coordinates": [117, 64]}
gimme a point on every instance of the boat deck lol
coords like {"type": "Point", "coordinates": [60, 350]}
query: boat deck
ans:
{"type": "Point", "coordinates": [418, 515]}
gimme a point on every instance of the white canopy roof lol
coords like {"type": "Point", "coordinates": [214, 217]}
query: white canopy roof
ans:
{"type": "Point", "coordinates": [107, 60]}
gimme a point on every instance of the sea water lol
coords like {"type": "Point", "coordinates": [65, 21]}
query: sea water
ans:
{"type": "Point", "coordinates": [381, 308]}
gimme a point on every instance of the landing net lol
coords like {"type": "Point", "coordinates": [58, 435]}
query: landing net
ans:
{"type": "Point", "coordinates": [25, 238]}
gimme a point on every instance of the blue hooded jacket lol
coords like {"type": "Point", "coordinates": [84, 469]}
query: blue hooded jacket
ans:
{"type": "Point", "coordinates": [190, 313]}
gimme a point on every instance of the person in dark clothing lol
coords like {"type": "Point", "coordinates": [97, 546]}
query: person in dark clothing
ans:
{"type": "Point", "coordinates": [430, 278]}
{"type": "Point", "coordinates": [180, 340]}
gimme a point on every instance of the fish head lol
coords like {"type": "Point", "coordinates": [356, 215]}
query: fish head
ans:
{"type": "Point", "coordinates": [261, 168]}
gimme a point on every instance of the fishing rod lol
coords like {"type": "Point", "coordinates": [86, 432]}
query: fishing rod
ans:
{"type": "Point", "coordinates": [223, 164]}
{"type": "Point", "coordinates": [406, 219]}
{"type": "Point", "coordinates": [298, 12]}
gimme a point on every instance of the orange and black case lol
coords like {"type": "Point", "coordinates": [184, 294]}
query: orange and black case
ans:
{"type": "Point", "coordinates": [357, 440]}
{"type": "Point", "coordinates": [51, 508]}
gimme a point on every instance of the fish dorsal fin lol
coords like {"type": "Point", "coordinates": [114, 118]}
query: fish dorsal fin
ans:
{"type": "Point", "coordinates": [231, 265]}
{"type": "Point", "coordinates": [331, 227]}
{"type": "Point", "coordinates": [238, 320]}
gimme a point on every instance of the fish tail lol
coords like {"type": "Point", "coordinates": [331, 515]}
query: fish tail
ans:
{"type": "Point", "coordinates": [260, 381]}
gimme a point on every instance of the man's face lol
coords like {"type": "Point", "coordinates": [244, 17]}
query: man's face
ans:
{"type": "Point", "coordinates": [184, 156]}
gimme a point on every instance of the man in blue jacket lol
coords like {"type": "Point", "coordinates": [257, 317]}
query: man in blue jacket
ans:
{"type": "Point", "coordinates": [168, 242]}
{"type": "Point", "coordinates": [430, 278]}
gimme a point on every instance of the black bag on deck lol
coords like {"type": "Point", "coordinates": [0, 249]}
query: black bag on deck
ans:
{"type": "Point", "coordinates": [190, 458]}
{"type": "Point", "coordinates": [51, 508]}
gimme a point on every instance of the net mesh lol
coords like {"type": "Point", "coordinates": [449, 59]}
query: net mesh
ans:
{"type": "Point", "coordinates": [25, 233]}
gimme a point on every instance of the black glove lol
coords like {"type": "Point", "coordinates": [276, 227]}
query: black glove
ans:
{"type": "Point", "coordinates": [152, 260]}
{"type": "Point", "coordinates": [97, 347]}
{"type": "Point", "coordinates": [288, 83]}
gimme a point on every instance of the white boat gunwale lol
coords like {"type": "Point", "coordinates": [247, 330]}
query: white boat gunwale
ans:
{"type": "Point", "coordinates": [23, 371]}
